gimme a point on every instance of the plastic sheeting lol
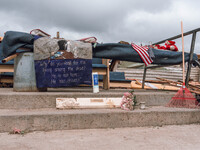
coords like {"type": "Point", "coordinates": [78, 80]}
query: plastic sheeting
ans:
{"type": "Point", "coordinates": [13, 40]}
{"type": "Point", "coordinates": [127, 53]}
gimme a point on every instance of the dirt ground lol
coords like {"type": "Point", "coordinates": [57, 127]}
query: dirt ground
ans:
{"type": "Point", "coordinates": [185, 137]}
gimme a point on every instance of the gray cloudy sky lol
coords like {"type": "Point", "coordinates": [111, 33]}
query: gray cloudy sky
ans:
{"type": "Point", "coordinates": [138, 21]}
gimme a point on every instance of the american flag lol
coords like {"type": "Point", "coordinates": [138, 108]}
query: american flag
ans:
{"type": "Point", "coordinates": [142, 51]}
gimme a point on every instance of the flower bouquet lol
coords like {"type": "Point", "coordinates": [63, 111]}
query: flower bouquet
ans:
{"type": "Point", "coordinates": [128, 101]}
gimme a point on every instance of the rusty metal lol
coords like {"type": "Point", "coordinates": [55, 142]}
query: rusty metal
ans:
{"type": "Point", "coordinates": [179, 36]}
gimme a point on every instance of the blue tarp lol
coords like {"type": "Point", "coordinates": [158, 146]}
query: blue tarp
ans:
{"type": "Point", "coordinates": [125, 52]}
{"type": "Point", "coordinates": [13, 40]}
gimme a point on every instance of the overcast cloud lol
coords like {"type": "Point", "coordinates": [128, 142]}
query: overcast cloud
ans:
{"type": "Point", "coordinates": [139, 21]}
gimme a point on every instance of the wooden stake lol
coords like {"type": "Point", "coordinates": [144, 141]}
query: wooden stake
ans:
{"type": "Point", "coordinates": [1, 38]}
{"type": "Point", "coordinates": [9, 58]}
{"type": "Point", "coordinates": [183, 53]}
{"type": "Point", "coordinates": [58, 35]}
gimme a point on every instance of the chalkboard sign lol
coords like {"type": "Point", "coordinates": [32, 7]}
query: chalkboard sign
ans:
{"type": "Point", "coordinates": [63, 72]}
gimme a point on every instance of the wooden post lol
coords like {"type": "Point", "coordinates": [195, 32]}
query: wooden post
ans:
{"type": "Point", "coordinates": [58, 35]}
{"type": "Point", "coordinates": [183, 59]}
{"type": "Point", "coordinates": [106, 78]}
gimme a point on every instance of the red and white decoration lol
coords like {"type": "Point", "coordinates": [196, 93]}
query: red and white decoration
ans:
{"type": "Point", "coordinates": [89, 40]}
{"type": "Point", "coordinates": [169, 45]}
{"type": "Point", "coordinates": [142, 51]}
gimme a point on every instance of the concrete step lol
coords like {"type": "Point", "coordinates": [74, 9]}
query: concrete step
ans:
{"type": "Point", "coordinates": [52, 119]}
{"type": "Point", "coordinates": [37, 100]}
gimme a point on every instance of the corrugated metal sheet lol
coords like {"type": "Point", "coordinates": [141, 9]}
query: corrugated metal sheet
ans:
{"type": "Point", "coordinates": [171, 73]}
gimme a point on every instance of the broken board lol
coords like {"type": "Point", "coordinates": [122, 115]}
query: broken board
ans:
{"type": "Point", "coordinates": [118, 84]}
{"type": "Point", "coordinates": [70, 103]}
{"type": "Point", "coordinates": [138, 85]}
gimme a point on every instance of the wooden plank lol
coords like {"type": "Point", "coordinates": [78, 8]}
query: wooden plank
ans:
{"type": "Point", "coordinates": [156, 81]}
{"type": "Point", "coordinates": [1, 38]}
{"type": "Point", "coordinates": [194, 83]}
{"type": "Point", "coordinates": [138, 82]}
{"type": "Point", "coordinates": [191, 88]}
{"type": "Point", "coordinates": [6, 80]}
{"type": "Point", "coordinates": [195, 91]}
{"type": "Point", "coordinates": [9, 58]}
{"type": "Point", "coordinates": [169, 81]}
{"type": "Point", "coordinates": [101, 71]}
{"type": "Point", "coordinates": [6, 68]}
{"type": "Point", "coordinates": [104, 102]}
{"type": "Point", "coordinates": [116, 84]}
{"type": "Point", "coordinates": [134, 85]}
{"type": "Point", "coordinates": [137, 85]}
{"type": "Point", "coordinates": [194, 86]}
{"type": "Point", "coordinates": [166, 87]}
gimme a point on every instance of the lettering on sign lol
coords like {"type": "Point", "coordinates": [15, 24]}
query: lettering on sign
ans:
{"type": "Point", "coordinates": [63, 72]}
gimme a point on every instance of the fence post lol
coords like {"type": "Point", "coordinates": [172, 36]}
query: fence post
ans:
{"type": "Point", "coordinates": [191, 56]}
{"type": "Point", "coordinates": [144, 76]}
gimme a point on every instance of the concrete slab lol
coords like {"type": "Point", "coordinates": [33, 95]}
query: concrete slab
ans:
{"type": "Point", "coordinates": [52, 119]}
{"type": "Point", "coordinates": [36, 100]}
{"type": "Point", "coordinates": [184, 137]}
